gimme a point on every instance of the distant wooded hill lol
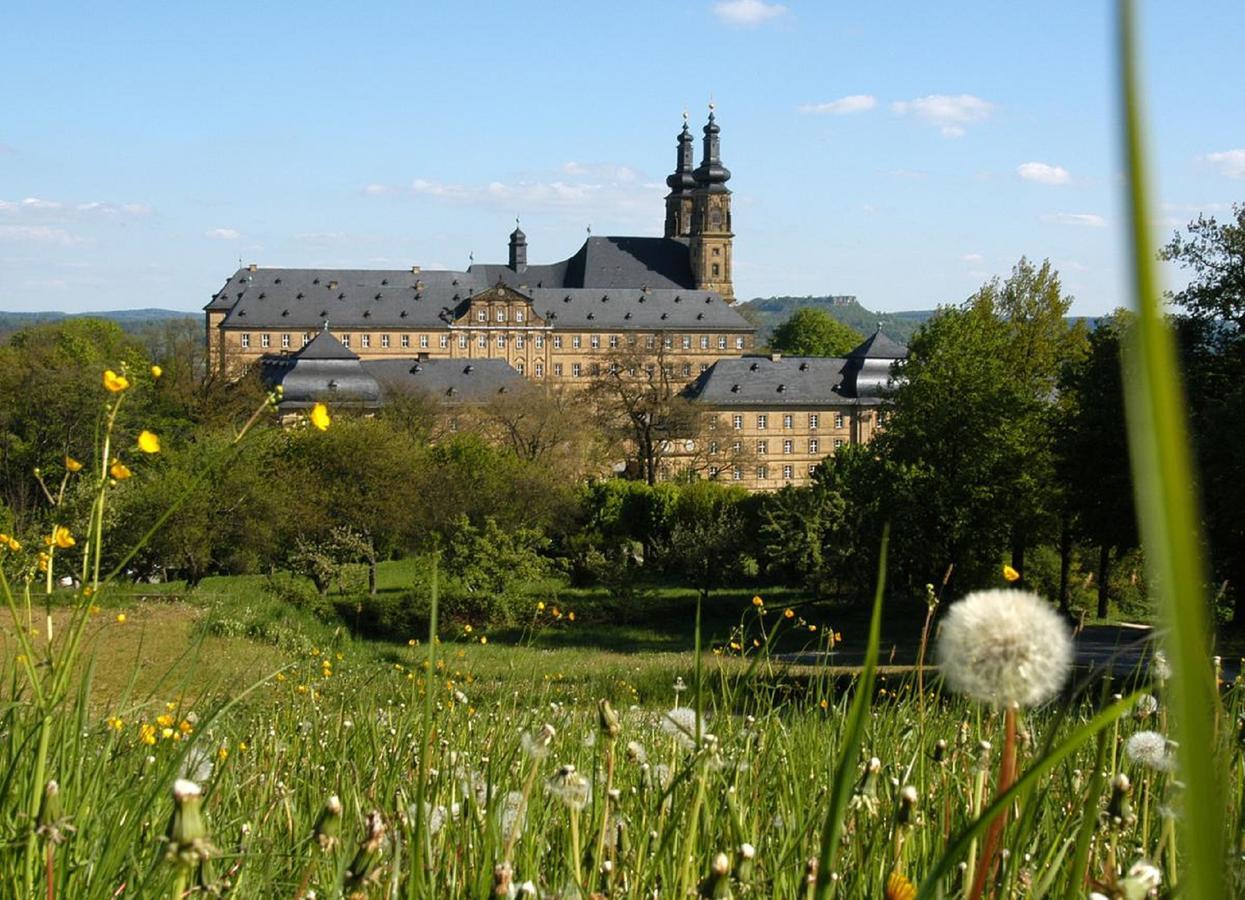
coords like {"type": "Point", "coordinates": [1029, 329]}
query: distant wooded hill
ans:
{"type": "Point", "coordinates": [133, 320]}
{"type": "Point", "coordinates": [767, 312]}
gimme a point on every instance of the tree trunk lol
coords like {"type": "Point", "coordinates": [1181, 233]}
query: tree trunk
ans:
{"type": "Point", "coordinates": [371, 576]}
{"type": "Point", "coordinates": [1065, 561]}
{"type": "Point", "coordinates": [1104, 571]}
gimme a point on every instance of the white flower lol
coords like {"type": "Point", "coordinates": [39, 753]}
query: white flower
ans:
{"type": "Point", "coordinates": [1159, 667]}
{"type": "Point", "coordinates": [1147, 705]}
{"type": "Point", "coordinates": [681, 723]}
{"type": "Point", "coordinates": [1149, 748]}
{"type": "Point", "coordinates": [1003, 647]}
{"type": "Point", "coordinates": [1145, 875]}
{"type": "Point", "coordinates": [569, 786]}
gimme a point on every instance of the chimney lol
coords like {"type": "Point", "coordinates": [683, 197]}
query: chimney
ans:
{"type": "Point", "coordinates": [252, 267]}
{"type": "Point", "coordinates": [775, 356]}
{"type": "Point", "coordinates": [415, 270]}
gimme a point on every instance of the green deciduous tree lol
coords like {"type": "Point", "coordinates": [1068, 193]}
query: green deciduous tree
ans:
{"type": "Point", "coordinates": [814, 332]}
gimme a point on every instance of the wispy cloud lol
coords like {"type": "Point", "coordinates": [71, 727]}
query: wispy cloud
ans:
{"type": "Point", "coordinates": [37, 233]}
{"type": "Point", "coordinates": [575, 186]}
{"type": "Point", "coordinates": [41, 205]}
{"type": "Point", "coordinates": [843, 106]}
{"type": "Point", "coordinates": [747, 13]}
{"type": "Point", "coordinates": [1229, 163]}
{"type": "Point", "coordinates": [949, 113]}
{"type": "Point", "coordinates": [1043, 173]}
{"type": "Point", "coordinates": [1093, 220]}
{"type": "Point", "coordinates": [223, 234]}
{"type": "Point", "coordinates": [972, 258]}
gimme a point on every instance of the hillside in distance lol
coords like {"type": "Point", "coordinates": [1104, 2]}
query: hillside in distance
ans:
{"type": "Point", "coordinates": [768, 312]}
{"type": "Point", "coordinates": [132, 320]}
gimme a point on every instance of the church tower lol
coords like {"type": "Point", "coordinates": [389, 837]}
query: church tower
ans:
{"type": "Point", "coordinates": [710, 236]}
{"type": "Point", "coordinates": [681, 184]}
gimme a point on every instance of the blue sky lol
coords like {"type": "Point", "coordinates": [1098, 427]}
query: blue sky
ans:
{"type": "Point", "coordinates": [904, 153]}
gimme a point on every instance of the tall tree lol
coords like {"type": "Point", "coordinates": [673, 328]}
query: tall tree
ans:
{"type": "Point", "coordinates": [1213, 351]}
{"type": "Point", "coordinates": [814, 332]}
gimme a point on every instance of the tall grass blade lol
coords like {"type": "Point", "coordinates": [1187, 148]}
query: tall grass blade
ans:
{"type": "Point", "coordinates": [1163, 482]}
{"type": "Point", "coordinates": [845, 768]}
{"type": "Point", "coordinates": [1071, 744]}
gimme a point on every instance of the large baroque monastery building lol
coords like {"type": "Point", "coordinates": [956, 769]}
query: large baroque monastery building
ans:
{"type": "Point", "coordinates": [350, 335]}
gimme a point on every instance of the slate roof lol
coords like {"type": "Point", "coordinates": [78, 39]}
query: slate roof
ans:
{"type": "Point", "coordinates": [860, 378]}
{"type": "Point", "coordinates": [620, 268]}
{"type": "Point", "coordinates": [797, 381]}
{"type": "Point", "coordinates": [323, 371]}
{"type": "Point", "coordinates": [304, 299]}
{"type": "Point", "coordinates": [448, 380]}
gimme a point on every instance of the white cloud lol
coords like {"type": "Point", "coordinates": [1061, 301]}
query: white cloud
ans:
{"type": "Point", "coordinates": [972, 257]}
{"type": "Point", "coordinates": [377, 190]}
{"type": "Point", "coordinates": [604, 189]}
{"type": "Point", "coordinates": [748, 13]}
{"type": "Point", "coordinates": [1229, 163]}
{"type": "Point", "coordinates": [38, 233]}
{"type": "Point", "coordinates": [223, 234]}
{"type": "Point", "coordinates": [843, 106]}
{"type": "Point", "coordinates": [1043, 173]}
{"type": "Point", "coordinates": [1093, 220]}
{"type": "Point", "coordinates": [40, 206]}
{"type": "Point", "coordinates": [949, 113]}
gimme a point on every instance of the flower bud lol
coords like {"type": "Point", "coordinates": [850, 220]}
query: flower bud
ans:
{"type": "Point", "coordinates": [187, 836]}
{"type": "Point", "coordinates": [1119, 812]}
{"type": "Point", "coordinates": [609, 722]}
{"type": "Point", "coordinates": [718, 882]}
{"type": "Point", "coordinates": [364, 869]}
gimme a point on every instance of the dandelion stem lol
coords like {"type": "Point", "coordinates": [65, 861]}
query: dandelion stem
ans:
{"type": "Point", "coordinates": [1007, 774]}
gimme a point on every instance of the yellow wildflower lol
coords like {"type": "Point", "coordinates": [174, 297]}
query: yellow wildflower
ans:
{"type": "Point", "coordinates": [466, 629]}
{"type": "Point", "coordinates": [788, 613]}
{"type": "Point", "coordinates": [540, 605]}
{"type": "Point", "coordinates": [44, 559]}
{"type": "Point", "coordinates": [114, 723]}
{"type": "Point", "coordinates": [242, 746]}
{"type": "Point", "coordinates": [13, 544]}
{"type": "Point", "coordinates": [483, 639]}
{"type": "Point", "coordinates": [156, 371]}
{"type": "Point", "coordinates": [62, 538]}
{"type": "Point", "coordinates": [167, 733]}
{"type": "Point", "coordinates": [120, 618]}
{"type": "Point", "coordinates": [899, 888]}
{"type": "Point", "coordinates": [114, 382]}
{"type": "Point", "coordinates": [320, 416]}
{"type": "Point", "coordinates": [758, 602]}
{"type": "Point", "coordinates": [148, 442]}
{"type": "Point", "coordinates": [119, 470]}
{"type": "Point", "coordinates": [72, 464]}
{"type": "Point", "coordinates": [164, 721]}
{"type": "Point", "coordinates": [222, 754]}
{"type": "Point", "coordinates": [570, 616]}
{"type": "Point", "coordinates": [147, 733]}
{"type": "Point", "coordinates": [1009, 575]}
{"type": "Point", "coordinates": [185, 727]}
{"type": "Point", "coordinates": [812, 627]}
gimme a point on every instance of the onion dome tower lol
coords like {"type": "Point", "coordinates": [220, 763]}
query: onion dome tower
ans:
{"type": "Point", "coordinates": [710, 237]}
{"type": "Point", "coordinates": [681, 184]}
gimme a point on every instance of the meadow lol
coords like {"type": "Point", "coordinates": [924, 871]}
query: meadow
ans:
{"type": "Point", "coordinates": [203, 745]}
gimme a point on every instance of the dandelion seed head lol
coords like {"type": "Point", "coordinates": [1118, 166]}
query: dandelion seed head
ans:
{"type": "Point", "coordinates": [1005, 647]}
{"type": "Point", "coordinates": [570, 787]}
{"type": "Point", "coordinates": [1159, 667]}
{"type": "Point", "coordinates": [680, 722]}
{"type": "Point", "coordinates": [1147, 705]}
{"type": "Point", "coordinates": [1149, 748]}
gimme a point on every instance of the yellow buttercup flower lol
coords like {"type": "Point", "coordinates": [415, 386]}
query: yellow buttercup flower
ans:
{"type": "Point", "coordinates": [114, 382]}
{"type": "Point", "coordinates": [758, 602]}
{"type": "Point", "coordinates": [320, 416]}
{"type": "Point", "coordinates": [147, 733]}
{"type": "Point", "coordinates": [114, 723]}
{"type": "Point", "coordinates": [1010, 574]}
{"type": "Point", "coordinates": [72, 464]}
{"type": "Point", "coordinates": [14, 544]}
{"type": "Point", "coordinates": [120, 618]}
{"type": "Point", "coordinates": [62, 538]}
{"type": "Point", "coordinates": [788, 613]}
{"type": "Point", "coordinates": [156, 371]}
{"type": "Point", "coordinates": [119, 470]}
{"type": "Point", "coordinates": [148, 442]}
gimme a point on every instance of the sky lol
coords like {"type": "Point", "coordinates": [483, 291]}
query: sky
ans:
{"type": "Point", "coordinates": [901, 152]}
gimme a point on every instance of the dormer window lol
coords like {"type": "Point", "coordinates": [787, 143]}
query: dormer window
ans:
{"type": "Point", "coordinates": [482, 316]}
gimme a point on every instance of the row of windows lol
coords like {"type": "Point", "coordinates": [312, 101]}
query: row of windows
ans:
{"type": "Point", "coordinates": [482, 315]}
{"type": "Point", "coordinates": [613, 341]}
{"type": "Point", "coordinates": [737, 473]}
{"type": "Point", "coordinates": [538, 340]}
{"type": "Point", "coordinates": [788, 421]}
{"type": "Point", "coordinates": [788, 446]}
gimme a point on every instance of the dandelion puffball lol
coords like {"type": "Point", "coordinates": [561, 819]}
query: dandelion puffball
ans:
{"type": "Point", "coordinates": [1149, 748]}
{"type": "Point", "coordinates": [1003, 647]}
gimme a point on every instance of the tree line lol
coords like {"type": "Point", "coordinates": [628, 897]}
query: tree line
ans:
{"type": "Point", "coordinates": [1004, 442]}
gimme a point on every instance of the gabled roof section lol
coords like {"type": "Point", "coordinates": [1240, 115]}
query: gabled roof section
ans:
{"type": "Point", "coordinates": [633, 262]}
{"type": "Point", "coordinates": [879, 346]}
{"type": "Point", "coordinates": [633, 309]}
{"type": "Point", "coordinates": [325, 346]}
